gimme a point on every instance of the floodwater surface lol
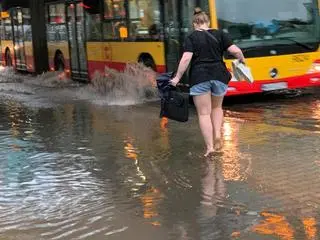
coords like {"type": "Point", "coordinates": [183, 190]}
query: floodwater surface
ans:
{"type": "Point", "coordinates": [72, 166]}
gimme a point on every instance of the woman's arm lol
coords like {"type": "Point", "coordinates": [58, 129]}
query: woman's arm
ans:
{"type": "Point", "coordinates": [236, 52]}
{"type": "Point", "coordinates": [183, 65]}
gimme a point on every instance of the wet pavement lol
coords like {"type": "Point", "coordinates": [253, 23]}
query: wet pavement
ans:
{"type": "Point", "coordinates": [74, 167]}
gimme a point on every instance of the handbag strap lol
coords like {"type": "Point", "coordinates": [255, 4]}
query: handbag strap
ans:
{"type": "Point", "coordinates": [210, 35]}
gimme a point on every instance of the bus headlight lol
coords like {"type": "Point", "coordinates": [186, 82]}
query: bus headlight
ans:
{"type": "Point", "coordinates": [315, 67]}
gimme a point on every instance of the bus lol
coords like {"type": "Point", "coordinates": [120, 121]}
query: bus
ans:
{"type": "Point", "coordinates": [280, 39]}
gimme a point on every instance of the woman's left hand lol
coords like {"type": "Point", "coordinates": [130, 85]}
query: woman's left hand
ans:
{"type": "Point", "coordinates": [174, 81]}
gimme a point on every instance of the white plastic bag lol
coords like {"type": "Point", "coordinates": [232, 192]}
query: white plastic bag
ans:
{"type": "Point", "coordinates": [241, 71]}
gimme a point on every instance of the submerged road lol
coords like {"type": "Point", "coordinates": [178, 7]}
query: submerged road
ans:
{"type": "Point", "coordinates": [72, 166]}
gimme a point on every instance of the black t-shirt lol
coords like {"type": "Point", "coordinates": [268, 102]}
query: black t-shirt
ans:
{"type": "Point", "coordinates": [207, 60]}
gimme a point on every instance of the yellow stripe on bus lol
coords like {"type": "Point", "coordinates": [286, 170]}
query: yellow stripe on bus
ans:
{"type": "Point", "coordinates": [125, 51]}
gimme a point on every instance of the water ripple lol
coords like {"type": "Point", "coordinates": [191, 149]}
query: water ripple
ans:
{"type": "Point", "coordinates": [59, 195]}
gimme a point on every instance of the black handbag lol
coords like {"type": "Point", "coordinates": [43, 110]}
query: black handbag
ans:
{"type": "Point", "coordinates": [175, 106]}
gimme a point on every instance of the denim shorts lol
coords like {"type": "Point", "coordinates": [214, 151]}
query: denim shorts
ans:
{"type": "Point", "coordinates": [216, 88]}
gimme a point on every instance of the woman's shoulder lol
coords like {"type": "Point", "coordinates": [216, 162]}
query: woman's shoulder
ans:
{"type": "Point", "coordinates": [216, 31]}
{"type": "Point", "coordinates": [192, 34]}
{"type": "Point", "coordinates": [220, 34]}
{"type": "Point", "coordinates": [195, 34]}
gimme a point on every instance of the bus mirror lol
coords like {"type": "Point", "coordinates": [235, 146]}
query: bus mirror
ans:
{"type": "Point", "coordinates": [123, 32]}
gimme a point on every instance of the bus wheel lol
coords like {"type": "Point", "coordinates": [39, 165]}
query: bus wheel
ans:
{"type": "Point", "coordinates": [8, 58]}
{"type": "Point", "coordinates": [59, 62]}
{"type": "Point", "coordinates": [147, 60]}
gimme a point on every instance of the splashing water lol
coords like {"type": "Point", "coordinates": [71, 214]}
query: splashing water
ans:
{"type": "Point", "coordinates": [8, 75]}
{"type": "Point", "coordinates": [135, 84]}
{"type": "Point", "coordinates": [48, 79]}
{"type": "Point", "coordinates": [54, 80]}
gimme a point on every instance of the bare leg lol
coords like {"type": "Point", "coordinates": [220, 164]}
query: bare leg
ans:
{"type": "Point", "coordinates": [217, 120]}
{"type": "Point", "coordinates": [203, 106]}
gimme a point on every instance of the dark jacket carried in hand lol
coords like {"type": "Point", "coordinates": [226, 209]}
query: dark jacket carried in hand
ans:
{"type": "Point", "coordinates": [163, 84]}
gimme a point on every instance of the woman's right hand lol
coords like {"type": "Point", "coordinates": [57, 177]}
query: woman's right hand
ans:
{"type": "Point", "coordinates": [243, 61]}
{"type": "Point", "coordinates": [237, 53]}
{"type": "Point", "coordinates": [174, 81]}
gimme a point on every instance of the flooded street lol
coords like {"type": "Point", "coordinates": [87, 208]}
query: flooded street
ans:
{"type": "Point", "coordinates": [72, 166]}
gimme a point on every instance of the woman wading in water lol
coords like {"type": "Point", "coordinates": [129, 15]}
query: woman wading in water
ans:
{"type": "Point", "coordinates": [209, 77]}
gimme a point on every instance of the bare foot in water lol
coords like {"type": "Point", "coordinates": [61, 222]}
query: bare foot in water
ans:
{"type": "Point", "coordinates": [209, 152]}
{"type": "Point", "coordinates": [217, 145]}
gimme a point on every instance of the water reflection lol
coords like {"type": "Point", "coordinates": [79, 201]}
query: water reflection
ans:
{"type": "Point", "coordinates": [287, 227]}
{"type": "Point", "coordinates": [275, 224]}
{"type": "Point", "coordinates": [310, 227]}
{"type": "Point", "coordinates": [236, 164]}
{"type": "Point", "coordinates": [212, 182]}
{"type": "Point", "coordinates": [150, 201]}
{"type": "Point", "coordinates": [212, 198]}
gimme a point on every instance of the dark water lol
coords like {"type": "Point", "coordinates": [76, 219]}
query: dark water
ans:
{"type": "Point", "coordinates": [74, 169]}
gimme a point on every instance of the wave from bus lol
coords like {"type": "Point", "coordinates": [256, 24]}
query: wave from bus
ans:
{"type": "Point", "coordinates": [134, 85]}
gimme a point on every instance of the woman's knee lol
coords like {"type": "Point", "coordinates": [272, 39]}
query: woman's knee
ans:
{"type": "Point", "coordinates": [204, 113]}
{"type": "Point", "coordinates": [216, 102]}
{"type": "Point", "coordinates": [204, 110]}
{"type": "Point", "coordinates": [203, 104]}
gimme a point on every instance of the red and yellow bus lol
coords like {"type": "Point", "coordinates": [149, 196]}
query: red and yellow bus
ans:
{"type": "Point", "coordinates": [280, 39]}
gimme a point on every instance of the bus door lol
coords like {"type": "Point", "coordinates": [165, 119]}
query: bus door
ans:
{"type": "Point", "coordinates": [177, 23]}
{"type": "Point", "coordinates": [76, 38]}
{"type": "Point", "coordinates": [18, 39]}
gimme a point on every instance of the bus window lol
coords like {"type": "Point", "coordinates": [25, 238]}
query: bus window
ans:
{"type": "Point", "coordinates": [7, 28]}
{"type": "Point", "coordinates": [27, 24]}
{"type": "Point", "coordinates": [93, 27]}
{"type": "Point", "coordinates": [204, 5]}
{"type": "Point", "coordinates": [57, 13]}
{"type": "Point", "coordinates": [268, 22]}
{"type": "Point", "coordinates": [91, 6]}
{"type": "Point", "coordinates": [114, 20]}
{"type": "Point", "coordinates": [2, 29]}
{"type": "Point", "coordinates": [144, 18]}
{"type": "Point", "coordinates": [56, 19]}
{"type": "Point", "coordinates": [111, 30]}
{"type": "Point", "coordinates": [114, 9]}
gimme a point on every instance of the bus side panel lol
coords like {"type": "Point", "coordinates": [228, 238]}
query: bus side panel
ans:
{"type": "Point", "coordinates": [118, 54]}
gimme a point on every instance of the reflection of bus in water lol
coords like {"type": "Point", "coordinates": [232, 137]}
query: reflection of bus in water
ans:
{"type": "Point", "coordinates": [279, 39]}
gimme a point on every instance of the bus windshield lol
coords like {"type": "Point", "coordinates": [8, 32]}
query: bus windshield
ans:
{"type": "Point", "coordinates": [252, 22]}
